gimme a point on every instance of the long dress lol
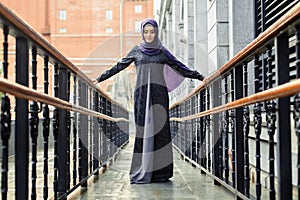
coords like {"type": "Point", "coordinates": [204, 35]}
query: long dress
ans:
{"type": "Point", "coordinates": [152, 159]}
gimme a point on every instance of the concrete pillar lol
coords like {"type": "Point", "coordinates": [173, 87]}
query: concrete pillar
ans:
{"type": "Point", "coordinates": [200, 36]}
{"type": "Point", "coordinates": [168, 41]}
{"type": "Point", "coordinates": [181, 26]}
{"type": "Point", "coordinates": [218, 39]}
{"type": "Point", "coordinates": [188, 40]}
{"type": "Point", "coordinates": [241, 30]}
{"type": "Point", "coordinates": [241, 25]}
{"type": "Point", "coordinates": [175, 31]}
{"type": "Point", "coordinates": [189, 32]}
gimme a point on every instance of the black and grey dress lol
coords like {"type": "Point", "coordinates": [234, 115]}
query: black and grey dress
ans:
{"type": "Point", "coordinates": [152, 159]}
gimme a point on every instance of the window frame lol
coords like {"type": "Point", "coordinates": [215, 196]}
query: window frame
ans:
{"type": "Point", "coordinates": [138, 8]}
{"type": "Point", "coordinates": [108, 14]}
{"type": "Point", "coordinates": [62, 14]}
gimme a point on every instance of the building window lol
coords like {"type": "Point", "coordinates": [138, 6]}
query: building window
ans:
{"type": "Point", "coordinates": [137, 26]}
{"type": "Point", "coordinates": [109, 30]}
{"type": "Point", "coordinates": [62, 14]}
{"type": "Point", "coordinates": [109, 15]}
{"type": "Point", "coordinates": [138, 8]}
{"type": "Point", "coordinates": [62, 30]}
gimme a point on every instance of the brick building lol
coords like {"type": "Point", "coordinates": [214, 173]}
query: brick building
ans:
{"type": "Point", "coordinates": [92, 34]}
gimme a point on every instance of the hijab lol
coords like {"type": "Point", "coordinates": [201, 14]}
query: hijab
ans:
{"type": "Point", "coordinates": [154, 47]}
{"type": "Point", "coordinates": [172, 78]}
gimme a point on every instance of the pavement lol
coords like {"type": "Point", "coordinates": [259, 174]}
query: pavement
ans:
{"type": "Point", "coordinates": [186, 184]}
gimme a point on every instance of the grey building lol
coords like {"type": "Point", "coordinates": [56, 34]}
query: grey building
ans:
{"type": "Point", "coordinates": [204, 34]}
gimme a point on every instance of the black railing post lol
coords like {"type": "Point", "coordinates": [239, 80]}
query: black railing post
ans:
{"type": "Point", "coordinates": [203, 131]}
{"type": "Point", "coordinates": [194, 129]}
{"type": "Point", "coordinates": [239, 137]}
{"type": "Point", "coordinates": [208, 131]}
{"type": "Point", "coordinates": [110, 130]}
{"type": "Point", "coordinates": [118, 130]}
{"type": "Point", "coordinates": [82, 134]}
{"type": "Point", "coordinates": [46, 128]}
{"type": "Point", "coordinates": [74, 132]}
{"type": "Point", "coordinates": [284, 121]}
{"type": "Point", "coordinates": [216, 135]}
{"type": "Point", "coordinates": [182, 127]}
{"type": "Point", "coordinates": [34, 123]}
{"type": "Point", "coordinates": [21, 127]}
{"type": "Point", "coordinates": [90, 128]}
{"type": "Point", "coordinates": [96, 134]}
{"type": "Point", "coordinates": [198, 129]}
{"type": "Point", "coordinates": [68, 129]}
{"type": "Point", "coordinates": [246, 128]}
{"type": "Point", "coordinates": [174, 126]}
{"type": "Point", "coordinates": [271, 119]}
{"type": "Point", "coordinates": [189, 129]}
{"type": "Point", "coordinates": [114, 130]}
{"type": "Point", "coordinates": [5, 51]}
{"type": "Point", "coordinates": [185, 136]}
{"type": "Point", "coordinates": [105, 131]}
{"type": "Point", "coordinates": [55, 123]}
{"type": "Point", "coordinates": [5, 121]}
{"type": "Point", "coordinates": [232, 118]}
{"type": "Point", "coordinates": [257, 126]}
{"type": "Point", "coordinates": [63, 134]}
{"type": "Point", "coordinates": [177, 126]}
{"type": "Point", "coordinates": [102, 123]}
{"type": "Point", "coordinates": [226, 132]}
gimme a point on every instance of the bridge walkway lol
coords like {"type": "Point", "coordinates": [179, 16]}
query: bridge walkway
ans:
{"type": "Point", "coordinates": [186, 184]}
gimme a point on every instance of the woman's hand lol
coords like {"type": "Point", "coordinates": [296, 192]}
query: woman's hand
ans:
{"type": "Point", "coordinates": [199, 76]}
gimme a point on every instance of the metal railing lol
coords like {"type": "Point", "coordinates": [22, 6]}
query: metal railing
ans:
{"type": "Point", "coordinates": [241, 126]}
{"type": "Point", "coordinates": [81, 128]}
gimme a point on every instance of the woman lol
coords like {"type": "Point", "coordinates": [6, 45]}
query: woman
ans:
{"type": "Point", "coordinates": [157, 73]}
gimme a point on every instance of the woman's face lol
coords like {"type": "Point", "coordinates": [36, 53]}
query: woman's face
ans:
{"type": "Point", "coordinates": [149, 33]}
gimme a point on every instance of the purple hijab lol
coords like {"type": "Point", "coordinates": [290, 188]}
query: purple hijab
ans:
{"type": "Point", "coordinates": [172, 78]}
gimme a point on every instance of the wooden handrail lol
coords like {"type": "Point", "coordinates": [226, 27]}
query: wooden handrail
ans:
{"type": "Point", "coordinates": [259, 43]}
{"type": "Point", "coordinates": [40, 42]}
{"type": "Point", "coordinates": [284, 90]}
{"type": "Point", "coordinates": [23, 92]}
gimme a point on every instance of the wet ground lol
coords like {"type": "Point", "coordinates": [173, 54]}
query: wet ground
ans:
{"type": "Point", "coordinates": [186, 184]}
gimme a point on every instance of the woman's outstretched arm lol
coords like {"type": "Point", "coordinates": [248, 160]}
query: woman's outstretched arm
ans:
{"type": "Point", "coordinates": [121, 65]}
{"type": "Point", "coordinates": [181, 68]}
